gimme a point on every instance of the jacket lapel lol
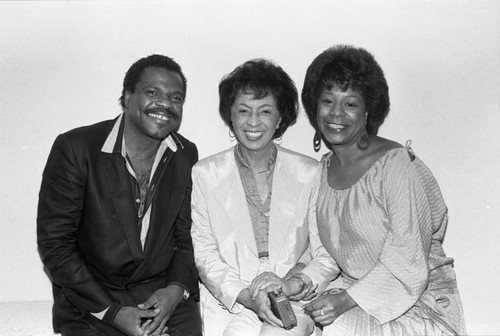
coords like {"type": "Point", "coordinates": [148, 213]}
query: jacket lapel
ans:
{"type": "Point", "coordinates": [164, 208]}
{"type": "Point", "coordinates": [233, 199]}
{"type": "Point", "coordinates": [122, 195]}
{"type": "Point", "coordinates": [283, 206]}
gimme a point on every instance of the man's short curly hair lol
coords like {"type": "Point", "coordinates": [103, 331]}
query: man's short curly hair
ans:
{"type": "Point", "coordinates": [352, 68]}
{"type": "Point", "coordinates": [261, 78]}
{"type": "Point", "coordinates": [134, 73]}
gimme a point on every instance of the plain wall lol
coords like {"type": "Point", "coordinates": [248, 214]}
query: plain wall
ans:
{"type": "Point", "coordinates": [62, 65]}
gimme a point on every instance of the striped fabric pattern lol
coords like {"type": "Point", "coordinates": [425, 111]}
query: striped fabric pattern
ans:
{"type": "Point", "coordinates": [385, 232]}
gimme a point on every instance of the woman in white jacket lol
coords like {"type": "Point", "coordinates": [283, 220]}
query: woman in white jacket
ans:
{"type": "Point", "coordinates": [253, 208]}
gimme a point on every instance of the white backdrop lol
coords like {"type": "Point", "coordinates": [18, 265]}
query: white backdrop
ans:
{"type": "Point", "coordinates": [62, 65]}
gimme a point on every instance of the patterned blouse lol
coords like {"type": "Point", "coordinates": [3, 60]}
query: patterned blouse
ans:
{"type": "Point", "coordinates": [385, 232]}
{"type": "Point", "coordinates": [259, 210]}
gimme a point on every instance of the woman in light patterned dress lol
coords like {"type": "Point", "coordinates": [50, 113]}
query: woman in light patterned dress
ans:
{"type": "Point", "coordinates": [380, 212]}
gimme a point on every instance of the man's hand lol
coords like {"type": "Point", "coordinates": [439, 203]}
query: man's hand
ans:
{"type": "Point", "coordinates": [164, 300]}
{"type": "Point", "coordinates": [128, 319]}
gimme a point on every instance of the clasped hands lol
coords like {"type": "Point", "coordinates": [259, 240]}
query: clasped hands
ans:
{"type": "Point", "coordinates": [150, 317]}
{"type": "Point", "coordinates": [294, 287]}
{"type": "Point", "coordinates": [323, 310]}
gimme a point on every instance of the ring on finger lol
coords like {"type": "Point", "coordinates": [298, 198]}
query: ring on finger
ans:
{"type": "Point", "coordinates": [321, 312]}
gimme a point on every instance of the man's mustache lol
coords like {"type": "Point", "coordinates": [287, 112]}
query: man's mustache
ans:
{"type": "Point", "coordinates": [170, 113]}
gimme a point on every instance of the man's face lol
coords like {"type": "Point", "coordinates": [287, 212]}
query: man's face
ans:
{"type": "Point", "coordinates": [155, 108]}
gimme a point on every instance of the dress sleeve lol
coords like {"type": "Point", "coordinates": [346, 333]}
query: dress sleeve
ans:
{"type": "Point", "coordinates": [220, 279]}
{"type": "Point", "coordinates": [59, 211]}
{"type": "Point", "coordinates": [400, 276]}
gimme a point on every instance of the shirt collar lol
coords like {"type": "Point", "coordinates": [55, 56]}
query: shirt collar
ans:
{"type": "Point", "coordinates": [115, 141]}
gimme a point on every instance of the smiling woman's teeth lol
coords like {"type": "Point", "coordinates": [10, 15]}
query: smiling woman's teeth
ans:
{"type": "Point", "coordinates": [253, 135]}
{"type": "Point", "coordinates": [336, 126]}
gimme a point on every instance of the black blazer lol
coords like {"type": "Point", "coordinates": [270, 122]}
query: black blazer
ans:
{"type": "Point", "coordinates": [87, 225]}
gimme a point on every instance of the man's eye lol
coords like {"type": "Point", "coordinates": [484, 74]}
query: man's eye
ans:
{"type": "Point", "coordinates": [152, 93]}
{"type": "Point", "coordinates": [177, 99]}
{"type": "Point", "coordinates": [265, 112]}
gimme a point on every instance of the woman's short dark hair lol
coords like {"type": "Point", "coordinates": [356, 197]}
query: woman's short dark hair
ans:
{"type": "Point", "coordinates": [261, 78]}
{"type": "Point", "coordinates": [352, 68]}
{"type": "Point", "coordinates": [134, 73]}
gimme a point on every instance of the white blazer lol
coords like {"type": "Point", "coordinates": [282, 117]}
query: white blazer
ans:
{"type": "Point", "coordinates": [224, 243]}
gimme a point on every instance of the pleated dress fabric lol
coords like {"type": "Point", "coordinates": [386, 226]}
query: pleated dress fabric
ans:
{"type": "Point", "coordinates": [385, 232]}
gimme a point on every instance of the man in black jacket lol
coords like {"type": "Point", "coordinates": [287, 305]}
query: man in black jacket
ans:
{"type": "Point", "coordinates": [114, 215]}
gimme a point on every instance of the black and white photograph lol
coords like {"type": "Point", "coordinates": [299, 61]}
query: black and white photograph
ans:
{"type": "Point", "coordinates": [250, 167]}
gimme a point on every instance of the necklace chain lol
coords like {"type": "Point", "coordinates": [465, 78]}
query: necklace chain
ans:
{"type": "Point", "coordinates": [248, 166]}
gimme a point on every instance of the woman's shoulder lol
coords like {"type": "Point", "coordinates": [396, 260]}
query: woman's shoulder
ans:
{"type": "Point", "coordinates": [221, 158]}
{"type": "Point", "coordinates": [379, 151]}
{"type": "Point", "coordinates": [398, 160]}
{"type": "Point", "coordinates": [297, 166]}
{"type": "Point", "coordinates": [382, 146]}
{"type": "Point", "coordinates": [297, 158]}
{"type": "Point", "coordinates": [383, 151]}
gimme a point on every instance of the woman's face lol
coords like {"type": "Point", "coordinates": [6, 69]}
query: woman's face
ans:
{"type": "Point", "coordinates": [341, 116]}
{"type": "Point", "coordinates": [255, 120]}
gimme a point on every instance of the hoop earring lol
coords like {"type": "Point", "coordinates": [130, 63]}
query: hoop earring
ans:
{"type": "Point", "coordinates": [317, 141]}
{"type": "Point", "coordinates": [363, 142]}
{"type": "Point", "coordinates": [232, 137]}
{"type": "Point", "coordinates": [280, 137]}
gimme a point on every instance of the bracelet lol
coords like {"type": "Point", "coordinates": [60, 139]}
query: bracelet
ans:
{"type": "Point", "coordinates": [333, 291]}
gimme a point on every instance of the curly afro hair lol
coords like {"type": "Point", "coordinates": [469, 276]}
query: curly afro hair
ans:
{"type": "Point", "coordinates": [352, 68]}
